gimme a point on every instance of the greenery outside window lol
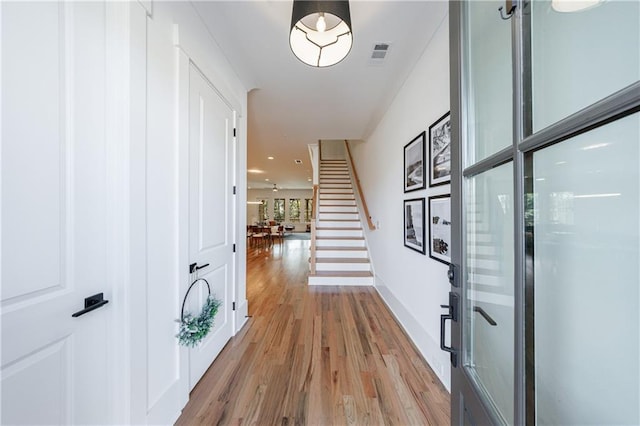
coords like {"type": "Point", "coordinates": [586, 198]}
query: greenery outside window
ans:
{"type": "Point", "coordinates": [294, 210]}
{"type": "Point", "coordinates": [263, 210]}
{"type": "Point", "coordinates": [278, 210]}
{"type": "Point", "coordinates": [308, 209]}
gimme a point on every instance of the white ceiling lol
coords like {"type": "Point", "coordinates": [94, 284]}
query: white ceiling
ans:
{"type": "Point", "coordinates": [292, 104]}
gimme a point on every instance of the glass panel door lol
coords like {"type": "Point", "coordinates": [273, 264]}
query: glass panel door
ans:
{"type": "Point", "coordinates": [489, 93]}
{"type": "Point", "coordinates": [548, 222]}
{"type": "Point", "coordinates": [489, 303]}
{"type": "Point", "coordinates": [581, 52]}
{"type": "Point", "coordinates": [586, 238]}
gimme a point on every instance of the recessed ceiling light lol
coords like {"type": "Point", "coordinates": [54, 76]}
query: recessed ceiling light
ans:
{"type": "Point", "coordinates": [257, 171]}
{"type": "Point", "coordinates": [297, 161]}
{"type": "Point", "coordinates": [309, 180]}
{"type": "Point", "coordinates": [267, 180]}
{"type": "Point", "coordinates": [269, 158]}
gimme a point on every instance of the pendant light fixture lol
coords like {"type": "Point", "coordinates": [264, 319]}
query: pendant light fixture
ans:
{"type": "Point", "coordinates": [275, 189]}
{"type": "Point", "coordinates": [320, 31]}
{"type": "Point", "coordinates": [568, 6]}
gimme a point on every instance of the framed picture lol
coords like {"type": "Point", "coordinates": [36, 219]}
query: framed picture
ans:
{"type": "Point", "coordinates": [414, 159]}
{"type": "Point", "coordinates": [440, 151]}
{"type": "Point", "coordinates": [440, 228]}
{"type": "Point", "coordinates": [414, 224]}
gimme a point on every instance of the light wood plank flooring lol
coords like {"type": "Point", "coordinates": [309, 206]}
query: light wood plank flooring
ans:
{"type": "Point", "coordinates": [315, 355]}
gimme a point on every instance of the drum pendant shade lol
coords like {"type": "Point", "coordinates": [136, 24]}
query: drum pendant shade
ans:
{"type": "Point", "coordinates": [320, 33]}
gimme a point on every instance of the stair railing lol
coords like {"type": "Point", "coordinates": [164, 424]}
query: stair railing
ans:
{"type": "Point", "coordinates": [359, 187]}
{"type": "Point", "coordinates": [314, 221]}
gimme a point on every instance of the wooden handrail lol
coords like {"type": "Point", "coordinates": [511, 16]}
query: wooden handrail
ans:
{"type": "Point", "coordinates": [314, 206]}
{"type": "Point", "coordinates": [355, 177]}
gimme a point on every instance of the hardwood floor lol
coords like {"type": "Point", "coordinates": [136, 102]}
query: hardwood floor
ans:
{"type": "Point", "coordinates": [315, 355]}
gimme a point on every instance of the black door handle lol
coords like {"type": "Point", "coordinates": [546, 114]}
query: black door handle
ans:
{"type": "Point", "coordinates": [91, 303]}
{"type": "Point", "coordinates": [451, 315]}
{"type": "Point", "coordinates": [194, 267]}
{"type": "Point", "coordinates": [485, 315]}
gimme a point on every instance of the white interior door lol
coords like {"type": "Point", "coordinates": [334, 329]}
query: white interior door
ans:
{"type": "Point", "coordinates": [54, 367]}
{"type": "Point", "coordinates": [210, 213]}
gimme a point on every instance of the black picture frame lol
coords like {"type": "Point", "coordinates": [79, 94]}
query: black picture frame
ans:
{"type": "Point", "coordinates": [440, 228]}
{"type": "Point", "coordinates": [414, 164]}
{"type": "Point", "coordinates": [414, 222]}
{"type": "Point", "coordinates": [440, 151]}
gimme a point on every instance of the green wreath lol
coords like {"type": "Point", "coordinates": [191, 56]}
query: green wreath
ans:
{"type": "Point", "coordinates": [194, 328]}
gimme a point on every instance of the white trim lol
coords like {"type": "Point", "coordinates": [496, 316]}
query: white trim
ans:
{"type": "Point", "coordinates": [137, 220]}
{"type": "Point", "coordinates": [182, 115]}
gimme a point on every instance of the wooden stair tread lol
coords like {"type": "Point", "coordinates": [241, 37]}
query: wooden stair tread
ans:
{"type": "Point", "coordinates": [342, 260]}
{"type": "Point", "coordinates": [336, 213]}
{"type": "Point", "coordinates": [339, 274]}
{"type": "Point", "coordinates": [339, 220]}
{"type": "Point", "coordinates": [340, 238]}
{"type": "Point", "coordinates": [341, 248]}
{"type": "Point", "coordinates": [319, 228]}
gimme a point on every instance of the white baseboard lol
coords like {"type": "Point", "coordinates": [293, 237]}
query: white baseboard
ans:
{"type": "Point", "coordinates": [430, 349]}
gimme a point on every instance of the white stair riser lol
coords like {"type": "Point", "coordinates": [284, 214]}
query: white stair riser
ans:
{"type": "Point", "coordinates": [339, 232]}
{"type": "Point", "coordinates": [479, 238]}
{"type": "Point", "coordinates": [360, 254]}
{"type": "Point", "coordinates": [338, 208]}
{"type": "Point", "coordinates": [334, 202]}
{"type": "Point", "coordinates": [484, 264]}
{"type": "Point", "coordinates": [336, 185]}
{"type": "Point", "coordinates": [329, 242]}
{"type": "Point", "coordinates": [339, 267]}
{"type": "Point", "coordinates": [336, 191]}
{"type": "Point", "coordinates": [339, 224]}
{"type": "Point", "coordinates": [491, 281]}
{"type": "Point", "coordinates": [486, 250]}
{"type": "Point", "coordinates": [336, 196]}
{"type": "Point", "coordinates": [339, 216]}
{"type": "Point", "coordinates": [334, 173]}
{"type": "Point", "coordinates": [344, 281]}
{"type": "Point", "coordinates": [336, 179]}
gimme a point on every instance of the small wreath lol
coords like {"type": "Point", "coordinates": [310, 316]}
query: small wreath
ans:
{"type": "Point", "coordinates": [194, 328]}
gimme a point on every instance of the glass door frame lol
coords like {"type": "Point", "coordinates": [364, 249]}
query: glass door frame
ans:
{"type": "Point", "coordinates": [464, 393]}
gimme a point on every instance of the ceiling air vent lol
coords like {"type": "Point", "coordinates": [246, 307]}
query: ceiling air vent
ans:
{"type": "Point", "coordinates": [380, 51]}
{"type": "Point", "coordinates": [297, 161]}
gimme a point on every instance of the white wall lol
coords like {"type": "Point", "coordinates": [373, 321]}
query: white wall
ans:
{"type": "Point", "coordinates": [268, 194]}
{"type": "Point", "coordinates": [165, 37]}
{"type": "Point", "coordinates": [413, 285]}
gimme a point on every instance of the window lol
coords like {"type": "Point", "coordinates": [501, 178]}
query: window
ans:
{"type": "Point", "coordinates": [308, 209]}
{"type": "Point", "coordinates": [294, 210]}
{"type": "Point", "coordinates": [278, 210]}
{"type": "Point", "coordinates": [263, 210]}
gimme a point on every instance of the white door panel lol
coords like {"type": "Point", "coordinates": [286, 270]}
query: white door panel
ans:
{"type": "Point", "coordinates": [54, 367]}
{"type": "Point", "coordinates": [210, 210]}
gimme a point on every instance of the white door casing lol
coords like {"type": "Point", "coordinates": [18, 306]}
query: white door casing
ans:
{"type": "Point", "coordinates": [54, 368]}
{"type": "Point", "coordinates": [210, 214]}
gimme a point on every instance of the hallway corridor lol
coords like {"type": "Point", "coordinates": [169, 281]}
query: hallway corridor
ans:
{"type": "Point", "coordinates": [315, 355]}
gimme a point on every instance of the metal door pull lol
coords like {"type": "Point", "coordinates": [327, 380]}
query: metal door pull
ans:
{"type": "Point", "coordinates": [451, 315]}
{"type": "Point", "coordinates": [485, 315]}
{"type": "Point", "coordinates": [92, 303]}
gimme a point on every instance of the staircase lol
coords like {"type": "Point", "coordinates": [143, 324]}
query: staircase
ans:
{"type": "Point", "coordinates": [341, 255]}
